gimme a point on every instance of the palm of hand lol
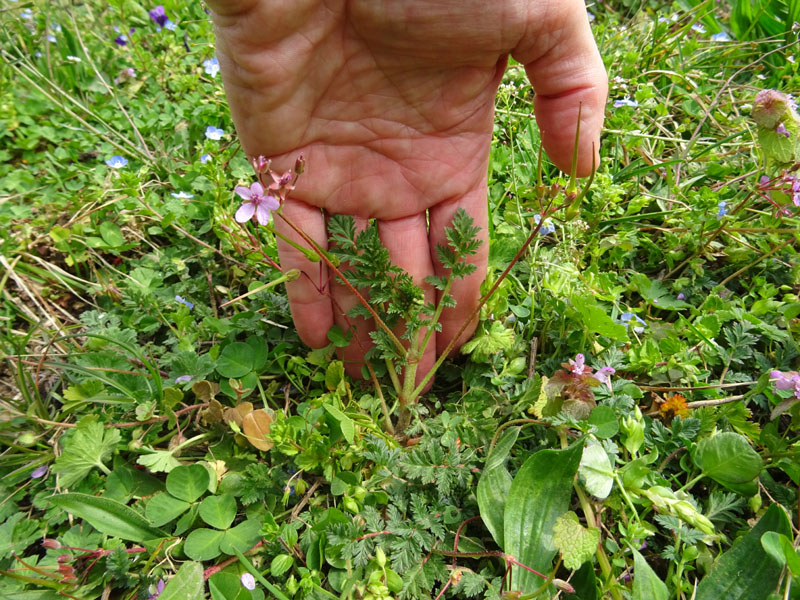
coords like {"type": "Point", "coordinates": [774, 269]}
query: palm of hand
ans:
{"type": "Point", "coordinates": [392, 105]}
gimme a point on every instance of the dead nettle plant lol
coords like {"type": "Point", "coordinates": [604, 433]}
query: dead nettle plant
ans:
{"type": "Point", "coordinates": [387, 296]}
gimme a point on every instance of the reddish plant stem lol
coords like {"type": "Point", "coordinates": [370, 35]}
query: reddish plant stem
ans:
{"type": "Point", "coordinates": [458, 535]}
{"type": "Point", "coordinates": [228, 561]}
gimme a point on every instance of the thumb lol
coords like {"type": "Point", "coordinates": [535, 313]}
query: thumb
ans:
{"type": "Point", "coordinates": [567, 73]}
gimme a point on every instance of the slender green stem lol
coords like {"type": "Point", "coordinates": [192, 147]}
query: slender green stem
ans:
{"type": "Point", "coordinates": [393, 376]}
{"type": "Point", "coordinates": [324, 256]}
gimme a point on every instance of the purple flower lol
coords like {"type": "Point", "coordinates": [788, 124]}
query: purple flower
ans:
{"type": "Point", "coordinates": [764, 180]}
{"type": "Point", "coordinates": [121, 40]}
{"type": "Point", "coordinates": [117, 162]}
{"type": "Point", "coordinates": [786, 381]}
{"type": "Point", "coordinates": [184, 301]}
{"type": "Point", "coordinates": [256, 204]}
{"type": "Point", "coordinates": [248, 581]}
{"type": "Point", "coordinates": [781, 130]}
{"type": "Point", "coordinates": [578, 365]}
{"type": "Point", "coordinates": [625, 102]}
{"type": "Point", "coordinates": [159, 588]}
{"type": "Point", "coordinates": [211, 66]}
{"type": "Point", "coordinates": [39, 472]}
{"type": "Point", "coordinates": [603, 375]}
{"type": "Point", "coordinates": [204, 158]}
{"type": "Point", "coordinates": [158, 15]}
{"type": "Point", "coordinates": [681, 296]}
{"type": "Point", "coordinates": [183, 378]}
{"type": "Point", "coordinates": [51, 38]}
{"type": "Point", "coordinates": [723, 209]}
{"type": "Point", "coordinates": [213, 133]}
{"type": "Point", "coordinates": [629, 318]}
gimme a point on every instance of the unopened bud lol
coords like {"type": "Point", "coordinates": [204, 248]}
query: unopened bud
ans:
{"type": "Point", "coordinates": [51, 544]}
{"type": "Point", "coordinates": [64, 558]}
{"type": "Point", "coordinates": [563, 586]}
{"type": "Point", "coordinates": [300, 164]}
{"type": "Point", "coordinates": [771, 108]}
{"type": "Point", "coordinates": [260, 164]}
{"type": "Point", "coordinates": [380, 557]}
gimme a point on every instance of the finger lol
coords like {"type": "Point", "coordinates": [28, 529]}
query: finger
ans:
{"type": "Point", "coordinates": [566, 71]}
{"type": "Point", "coordinates": [406, 240]}
{"type": "Point", "coordinates": [311, 310]}
{"type": "Point", "coordinates": [343, 301]}
{"type": "Point", "coordinates": [467, 291]}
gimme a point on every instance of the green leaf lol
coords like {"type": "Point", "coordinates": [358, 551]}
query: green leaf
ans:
{"type": "Point", "coordinates": [163, 508]}
{"type": "Point", "coordinates": [111, 234]}
{"type": "Point", "coordinates": [728, 458]}
{"type": "Point", "coordinates": [186, 585]}
{"type": "Point", "coordinates": [345, 423]}
{"type": "Point", "coordinates": [596, 472]}
{"type": "Point", "coordinates": [746, 571]}
{"type": "Point", "coordinates": [538, 495]}
{"type": "Point", "coordinates": [108, 516]}
{"type": "Point", "coordinates": [646, 584]}
{"type": "Point", "coordinates": [605, 419]}
{"type": "Point", "coordinates": [656, 294]}
{"type": "Point", "coordinates": [236, 360]}
{"type": "Point", "coordinates": [487, 343]}
{"type": "Point", "coordinates": [203, 544]}
{"type": "Point", "coordinates": [158, 461]}
{"type": "Point", "coordinates": [494, 484]}
{"type": "Point", "coordinates": [188, 482]}
{"type": "Point", "coordinates": [280, 564]}
{"type": "Point", "coordinates": [596, 320]}
{"type": "Point", "coordinates": [576, 543]}
{"type": "Point", "coordinates": [241, 538]}
{"type": "Point", "coordinates": [218, 511]}
{"type": "Point", "coordinates": [90, 445]}
{"type": "Point", "coordinates": [792, 556]}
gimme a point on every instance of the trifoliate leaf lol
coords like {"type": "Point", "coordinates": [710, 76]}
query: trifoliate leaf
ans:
{"type": "Point", "coordinates": [90, 445]}
{"type": "Point", "coordinates": [596, 472]}
{"type": "Point", "coordinates": [576, 543]}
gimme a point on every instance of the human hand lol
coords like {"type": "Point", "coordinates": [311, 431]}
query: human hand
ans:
{"type": "Point", "coordinates": [392, 105]}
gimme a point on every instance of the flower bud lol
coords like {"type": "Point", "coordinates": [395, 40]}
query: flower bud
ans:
{"type": "Point", "coordinates": [563, 586]}
{"type": "Point", "coordinates": [380, 557]}
{"type": "Point", "coordinates": [260, 164]}
{"type": "Point", "coordinates": [51, 544]}
{"type": "Point", "coordinates": [300, 164]}
{"type": "Point", "coordinates": [771, 108]}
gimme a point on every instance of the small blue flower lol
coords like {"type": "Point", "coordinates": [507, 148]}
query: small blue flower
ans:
{"type": "Point", "coordinates": [55, 27]}
{"type": "Point", "coordinates": [204, 158]}
{"type": "Point", "coordinates": [547, 227]}
{"type": "Point", "coordinates": [211, 66]}
{"type": "Point", "coordinates": [629, 318]}
{"type": "Point", "coordinates": [184, 301]}
{"type": "Point", "coordinates": [698, 28]}
{"type": "Point", "coordinates": [723, 209]}
{"type": "Point", "coordinates": [183, 379]}
{"type": "Point", "coordinates": [26, 14]}
{"type": "Point", "coordinates": [212, 133]}
{"type": "Point", "coordinates": [121, 40]}
{"type": "Point", "coordinates": [625, 102]}
{"type": "Point", "coordinates": [158, 15]}
{"type": "Point", "coordinates": [51, 39]}
{"type": "Point", "coordinates": [182, 195]}
{"type": "Point", "coordinates": [117, 162]}
{"type": "Point", "coordinates": [722, 36]}
{"type": "Point", "coordinates": [170, 25]}
{"type": "Point", "coordinates": [72, 59]}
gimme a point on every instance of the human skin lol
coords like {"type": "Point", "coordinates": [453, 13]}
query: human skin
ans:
{"type": "Point", "coordinates": [392, 103]}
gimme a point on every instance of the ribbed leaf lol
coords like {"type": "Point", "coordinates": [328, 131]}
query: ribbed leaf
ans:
{"type": "Point", "coordinates": [108, 516]}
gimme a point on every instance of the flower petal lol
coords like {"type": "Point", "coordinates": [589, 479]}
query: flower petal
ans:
{"type": "Point", "coordinates": [262, 214]}
{"type": "Point", "coordinates": [257, 190]}
{"type": "Point", "coordinates": [242, 192]}
{"type": "Point", "coordinates": [271, 202]}
{"type": "Point", "coordinates": [245, 212]}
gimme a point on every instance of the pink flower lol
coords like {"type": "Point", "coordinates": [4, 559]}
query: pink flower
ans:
{"type": "Point", "coordinates": [578, 365]}
{"type": "Point", "coordinates": [256, 204]}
